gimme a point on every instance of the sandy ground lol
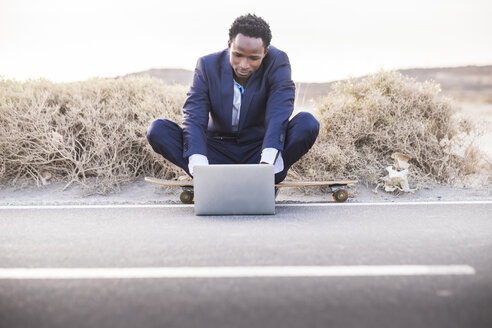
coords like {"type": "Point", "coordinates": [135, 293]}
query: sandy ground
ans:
{"type": "Point", "coordinates": [141, 192]}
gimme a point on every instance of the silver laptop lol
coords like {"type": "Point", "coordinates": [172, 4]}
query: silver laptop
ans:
{"type": "Point", "coordinates": [230, 189]}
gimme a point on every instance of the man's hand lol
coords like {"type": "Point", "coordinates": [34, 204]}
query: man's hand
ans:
{"type": "Point", "coordinates": [269, 156]}
{"type": "Point", "coordinates": [272, 156]}
{"type": "Point", "coordinates": [196, 159]}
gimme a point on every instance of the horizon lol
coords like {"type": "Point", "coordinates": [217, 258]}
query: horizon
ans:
{"type": "Point", "coordinates": [321, 82]}
{"type": "Point", "coordinates": [65, 41]}
{"type": "Point", "coordinates": [296, 81]}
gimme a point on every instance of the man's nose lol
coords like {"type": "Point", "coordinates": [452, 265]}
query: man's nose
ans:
{"type": "Point", "coordinates": [243, 63]}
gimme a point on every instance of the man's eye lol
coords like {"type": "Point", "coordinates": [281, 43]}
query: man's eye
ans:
{"type": "Point", "coordinates": [238, 55]}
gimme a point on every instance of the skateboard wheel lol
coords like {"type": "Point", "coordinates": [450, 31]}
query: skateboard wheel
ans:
{"type": "Point", "coordinates": [340, 195]}
{"type": "Point", "coordinates": [186, 197]}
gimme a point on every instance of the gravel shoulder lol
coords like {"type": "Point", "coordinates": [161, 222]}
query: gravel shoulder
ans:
{"type": "Point", "coordinates": [143, 193]}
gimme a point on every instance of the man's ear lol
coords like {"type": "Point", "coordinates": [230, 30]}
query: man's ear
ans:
{"type": "Point", "coordinates": [229, 44]}
{"type": "Point", "coordinates": [266, 50]}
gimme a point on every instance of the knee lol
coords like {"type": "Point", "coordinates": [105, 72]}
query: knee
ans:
{"type": "Point", "coordinates": [157, 130]}
{"type": "Point", "coordinates": [309, 124]}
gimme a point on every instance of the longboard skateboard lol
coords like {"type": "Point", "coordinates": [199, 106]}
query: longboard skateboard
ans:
{"type": "Point", "coordinates": [337, 188]}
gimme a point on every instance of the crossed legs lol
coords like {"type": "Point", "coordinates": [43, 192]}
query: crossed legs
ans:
{"type": "Point", "coordinates": [166, 138]}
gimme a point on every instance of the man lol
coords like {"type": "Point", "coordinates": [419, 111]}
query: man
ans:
{"type": "Point", "coordinates": [238, 108]}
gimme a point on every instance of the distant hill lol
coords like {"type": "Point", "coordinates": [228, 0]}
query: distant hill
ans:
{"type": "Point", "coordinates": [466, 83]}
{"type": "Point", "coordinates": [168, 75]}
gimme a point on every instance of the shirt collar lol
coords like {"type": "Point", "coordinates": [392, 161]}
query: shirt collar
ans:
{"type": "Point", "coordinates": [239, 86]}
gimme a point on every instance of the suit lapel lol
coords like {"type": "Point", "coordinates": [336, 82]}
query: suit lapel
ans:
{"type": "Point", "coordinates": [227, 91]}
{"type": "Point", "coordinates": [248, 95]}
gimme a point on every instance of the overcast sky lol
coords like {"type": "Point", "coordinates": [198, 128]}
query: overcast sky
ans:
{"type": "Point", "coordinates": [65, 40]}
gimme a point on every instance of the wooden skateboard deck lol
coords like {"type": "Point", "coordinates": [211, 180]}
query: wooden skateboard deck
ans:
{"type": "Point", "coordinates": [337, 187]}
{"type": "Point", "coordinates": [170, 183]}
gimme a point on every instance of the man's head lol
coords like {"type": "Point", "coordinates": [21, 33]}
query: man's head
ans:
{"type": "Point", "coordinates": [249, 38]}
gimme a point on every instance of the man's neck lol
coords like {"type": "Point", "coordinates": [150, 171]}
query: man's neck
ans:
{"type": "Point", "coordinates": [242, 82]}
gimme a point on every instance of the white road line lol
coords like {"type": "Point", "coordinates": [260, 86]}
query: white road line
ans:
{"type": "Point", "coordinates": [471, 202]}
{"type": "Point", "coordinates": [113, 206]}
{"type": "Point", "coordinates": [235, 272]}
{"type": "Point", "coordinates": [106, 206]}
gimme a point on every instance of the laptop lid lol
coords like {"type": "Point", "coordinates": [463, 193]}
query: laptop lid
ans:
{"type": "Point", "coordinates": [234, 189]}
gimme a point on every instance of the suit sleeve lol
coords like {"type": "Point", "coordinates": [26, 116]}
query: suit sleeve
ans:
{"type": "Point", "coordinates": [195, 114]}
{"type": "Point", "coordinates": [280, 103]}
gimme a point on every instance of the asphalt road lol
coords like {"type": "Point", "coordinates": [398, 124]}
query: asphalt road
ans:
{"type": "Point", "coordinates": [314, 236]}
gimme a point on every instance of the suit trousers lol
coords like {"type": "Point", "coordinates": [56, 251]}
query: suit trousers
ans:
{"type": "Point", "coordinates": [166, 139]}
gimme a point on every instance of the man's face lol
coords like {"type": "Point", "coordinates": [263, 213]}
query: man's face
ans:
{"type": "Point", "coordinates": [246, 55]}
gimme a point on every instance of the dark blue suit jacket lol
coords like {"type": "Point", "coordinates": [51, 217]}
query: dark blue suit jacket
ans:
{"type": "Point", "coordinates": [267, 103]}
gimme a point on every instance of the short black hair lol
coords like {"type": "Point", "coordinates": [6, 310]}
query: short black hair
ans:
{"type": "Point", "coordinates": [252, 26]}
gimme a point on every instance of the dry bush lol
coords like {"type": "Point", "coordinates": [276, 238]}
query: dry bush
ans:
{"type": "Point", "coordinates": [93, 132]}
{"type": "Point", "coordinates": [363, 122]}
{"type": "Point", "coordinates": [75, 131]}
